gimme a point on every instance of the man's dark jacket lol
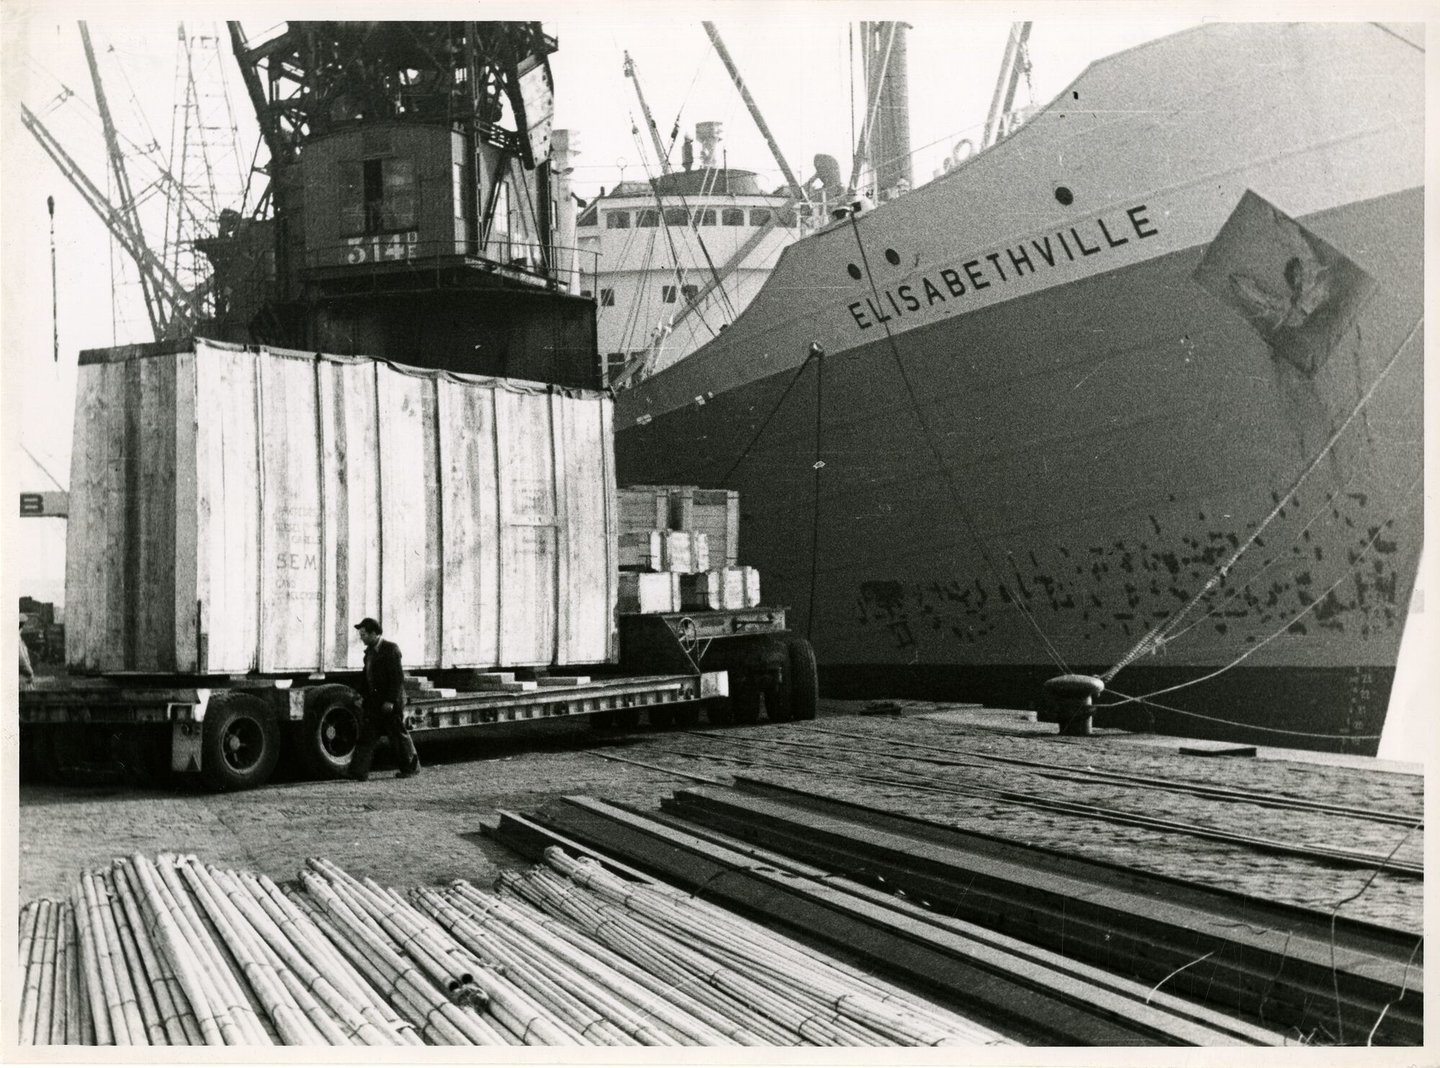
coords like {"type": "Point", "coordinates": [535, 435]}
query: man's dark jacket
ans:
{"type": "Point", "coordinates": [384, 677]}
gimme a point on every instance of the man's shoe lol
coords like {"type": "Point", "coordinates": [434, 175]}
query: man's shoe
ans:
{"type": "Point", "coordinates": [411, 771]}
{"type": "Point", "coordinates": [357, 776]}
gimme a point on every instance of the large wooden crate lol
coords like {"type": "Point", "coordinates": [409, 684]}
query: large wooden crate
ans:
{"type": "Point", "coordinates": [236, 511]}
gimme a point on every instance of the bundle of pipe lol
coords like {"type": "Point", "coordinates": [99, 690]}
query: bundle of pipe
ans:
{"type": "Point", "coordinates": [55, 999]}
{"type": "Point", "coordinates": [783, 992]}
{"type": "Point", "coordinates": [172, 951]}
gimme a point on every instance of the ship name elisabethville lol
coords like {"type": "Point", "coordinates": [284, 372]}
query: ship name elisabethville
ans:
{"type": "Point", "coordinates": [1071, 244]}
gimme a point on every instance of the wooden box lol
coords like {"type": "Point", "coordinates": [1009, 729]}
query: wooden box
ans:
{"type": "Point", "coordinates": [649, 591]}
{"type": "Point", "coordinates": [741, 587]}
{"type": "Point", "coordinates": [237, 510]}
{"type": "Point", "coordinates": [702, 591]}
{"type": "Point", "coordinates": [684, 552]}
{"type": "Point", "coordinates": [642, 550]}
{"type": "Point", "coordinates": [712, 512]}
{"type": "Point", "coordinates": [664, 550]}
{"type": "Point", "coordinates": [644, 508]}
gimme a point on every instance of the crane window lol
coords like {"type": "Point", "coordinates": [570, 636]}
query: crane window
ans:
{"type": "Point", "coordinates": [617, 220]}
{"type": "Point", "coordinates": [676, 217]}
{"type": "Point", "coordinates": [667, 294]}
{"type": "Point", "coordinates": [705, 217]}
{"type": "Point", "coordinates": [648, 217]}
{"type": "Point", "coordinates": [607, 298]}
{"type": "Point", "coordinates": [378, 195]}
{"type": "Point", "coordinates": [732, 217]}
{"type": "Point", "coordinates": [759, 216]}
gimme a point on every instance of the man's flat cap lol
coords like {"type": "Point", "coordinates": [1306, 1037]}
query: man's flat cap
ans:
{"type": "Point", "coordinates": [370, 624]}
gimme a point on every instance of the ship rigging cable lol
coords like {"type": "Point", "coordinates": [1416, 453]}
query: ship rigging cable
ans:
{"type": "Point", "coordinates": [1019, 600]}
{"type": "Point", "coordinates": [1156, 636]}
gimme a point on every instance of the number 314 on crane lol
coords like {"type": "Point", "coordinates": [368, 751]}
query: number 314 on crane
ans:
{"type": "Point", "coordinates": [378, 248]}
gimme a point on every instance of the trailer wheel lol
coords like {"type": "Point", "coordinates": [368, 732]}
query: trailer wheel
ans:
{"type": "Point", "coordinates": [240, 744]}
{"type": "Point", "coordinates": [330, 730]}
{"type": "Point", "coordinates": [803, 680]}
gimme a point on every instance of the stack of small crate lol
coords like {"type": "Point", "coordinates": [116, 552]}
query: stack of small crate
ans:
{"type": "Point", "coordinates": [678, 551]}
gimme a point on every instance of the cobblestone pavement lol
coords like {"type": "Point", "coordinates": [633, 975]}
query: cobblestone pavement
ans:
{"type": "Point", "coordinates": [425, 830]}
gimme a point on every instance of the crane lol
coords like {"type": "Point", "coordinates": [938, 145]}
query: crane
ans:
{"type": "Point", "coordinates": [660, 152]}
{"type": "Point", "coordinates": [150, 286]}
{"type": "Point", "coordinates": [173, 304]}
{"type": "Point", "coordinates": [174, 299]}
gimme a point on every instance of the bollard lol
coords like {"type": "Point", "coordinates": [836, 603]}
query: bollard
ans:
{"type": "Point", "coordinates": [1072, 697]}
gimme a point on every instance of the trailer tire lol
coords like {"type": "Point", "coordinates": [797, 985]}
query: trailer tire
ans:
{"type": "Point", "coordinates": [239, 743]}
{"type": "Point", "coordinates": [802, 683]}
{"type": "Point", "coordinates": [329, 731]}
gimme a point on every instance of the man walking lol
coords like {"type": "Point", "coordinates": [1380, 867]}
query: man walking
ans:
{"type": "Point", "coordinates": [383, 705]}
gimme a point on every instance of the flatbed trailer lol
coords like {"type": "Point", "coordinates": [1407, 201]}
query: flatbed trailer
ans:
{"type": "Point", "coordinates": [233, 730]}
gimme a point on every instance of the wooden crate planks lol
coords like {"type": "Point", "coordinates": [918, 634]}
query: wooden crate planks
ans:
{"type": "Point", "coordinates": [236, 510]}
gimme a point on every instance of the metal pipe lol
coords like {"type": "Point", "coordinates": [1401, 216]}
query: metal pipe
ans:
{"type": "Point", "coordinates": [142, 982]}
{"type": "Point", "coordinates": [108, 1007]}
{"type": "Point", "coordinates": [169, 997]}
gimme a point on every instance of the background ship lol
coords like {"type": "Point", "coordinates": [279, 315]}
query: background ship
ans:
{"type": "Point", "coordinates": [657, 243]}
{"type": "Point", "coordinates": [1138, 387]}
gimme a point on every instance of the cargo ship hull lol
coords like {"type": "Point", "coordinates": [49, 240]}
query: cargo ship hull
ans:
{"type": "Point", "coordinates": [1054, 412]}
